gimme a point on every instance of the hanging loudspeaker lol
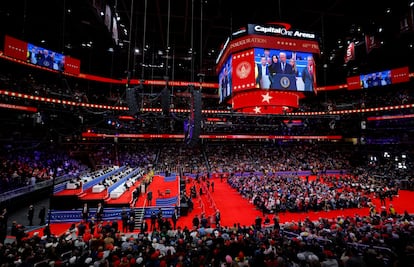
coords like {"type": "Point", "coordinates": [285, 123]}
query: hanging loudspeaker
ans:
{"type": "Point", "coordinates": [165, 101]}
{"type": "Point", "coordinates": [132, 101]}
{"type": "Point", "coordinates": [195, 121]}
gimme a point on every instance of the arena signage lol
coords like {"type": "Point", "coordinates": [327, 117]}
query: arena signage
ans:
{"type": "Point", "coordinates": [271, 30]}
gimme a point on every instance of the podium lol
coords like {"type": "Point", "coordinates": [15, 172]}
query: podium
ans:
{"type": "Point", "coordinates": [283, 82]}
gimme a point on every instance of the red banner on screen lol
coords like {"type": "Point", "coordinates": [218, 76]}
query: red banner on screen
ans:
{"type": "Point", "coordinates": [15, 48]}
{"type": "Point", "coordinates": [400, 75]}
{"type": "Point", "coordinates": [72, 65]}
{"type": "Point", "coordinates": [354, 83]}
{"type": "Point", "coordinates": [243, 70]}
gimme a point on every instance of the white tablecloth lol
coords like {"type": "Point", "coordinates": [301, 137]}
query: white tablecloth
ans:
{"type": "Point", "coordinates": [70, 186]}
{"type": "Point", "coordinates": [98, 188]}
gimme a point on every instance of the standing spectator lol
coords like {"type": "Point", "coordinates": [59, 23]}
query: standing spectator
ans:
{"type": "Point", "coordinates": [132, 212]}
{"type": "Point", "coordinates": [159, 219]}
{"type": "Point", "coordinates": [4, 216]}
{"type": "Point", "coordinates": [99, 212]}
{"type": "Point", "coordinates": [46, 231]}
{"type": "Point", "coordinates": [218, 217]}
{"type": "Point", "coordinates": [153, 221]}
{"type": "Point", "coordinates": [131, 224]}
{"type": "Point", "coordinates": [149, 198]}
{"type": "Point", "coordinates": [258, 223]}
{"type": "Point", "coordinates": [135, 194]}
{"type": "Point", "coordinates": [212, 186]}
{"type": "Point", "coordinates": [85, 212]}
{"type": "Point", "coordinates": [276, 225]}
{"type": "Point", "coordinates": [174, 219]}
{"type": "Point", "coordinates": [124, 219]}
{"type": "Point", "coordinates": [196, 222]}
{"type": "Point", "coordinates": [392, 211]}
{"type": "Point", "coordinates": [382, 197]}
{"type": "Point", "coordinates": [144, 226]}
{"type": "Point", "coordinates": [3, 225]}
{"type": "Point", "coordinates": [81, 228]}
{"type": "Point", "coordinates": [92, 225]}
{"type": "Point", "coordinates": [32, 180]}
{"type": "Point", "coordinates": [30, 214]}
{"type": "Point", "coordinates": [115, 226]}
{"type": "Point", "coordinates": [42, 215]}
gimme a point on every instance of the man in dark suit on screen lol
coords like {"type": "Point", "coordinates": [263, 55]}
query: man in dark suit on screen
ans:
{"type": "Point", "coordinates": [283, 66]}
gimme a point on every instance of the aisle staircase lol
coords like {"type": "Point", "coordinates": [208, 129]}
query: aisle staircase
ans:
{"type": "Point", "coordinates": [139, 214]}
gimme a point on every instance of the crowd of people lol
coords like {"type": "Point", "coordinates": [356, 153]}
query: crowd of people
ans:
{"type": "Point", "coordinates": [380, 240]}
{"type": "Point", "coordinates": [344, 240]}
{"type": "Point", "coordinates": [28, 167]}
{"type": "Point", "coordinates": [275, 194]}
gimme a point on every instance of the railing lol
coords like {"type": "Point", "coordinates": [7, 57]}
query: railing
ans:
{"type": "Point", "coordinates": [31, 188]}
{"type": "Point", "coordinates": [141, 219]}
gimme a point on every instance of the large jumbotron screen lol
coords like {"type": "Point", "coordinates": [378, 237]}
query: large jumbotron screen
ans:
{"type": "Point", "coordinates": [268, 58]}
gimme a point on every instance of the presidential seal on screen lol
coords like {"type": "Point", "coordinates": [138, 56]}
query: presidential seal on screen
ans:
{"type": "Point", "coordinates": [243, 69]}
{"type": "Point", "coordinates": [284, 82]}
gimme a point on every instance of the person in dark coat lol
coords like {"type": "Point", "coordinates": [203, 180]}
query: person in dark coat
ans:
{"type": "Point", "coordinates": [99, 212]}
{"type": "Point", "coordinates": [174, 219]}
{"type": "Point", "coordinates": [30, 214]}
{"type": "Point", "coordinates": [124, 219]}
{"type": "Point", "coordinates": [85, 212]}
{"type": "Point", "coordinates": [131, 224]}
{"type": "Point", "coordinates": [42, 215]}
{"type": "Point", "coordinates": [144, 226]}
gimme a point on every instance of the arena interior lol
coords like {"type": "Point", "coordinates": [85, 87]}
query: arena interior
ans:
{"type": "Point", "coordinates": [162, 134]}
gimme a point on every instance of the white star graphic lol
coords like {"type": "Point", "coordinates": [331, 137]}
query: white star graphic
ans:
{"type": "Point", "coordinates": [267, 97]}
{"type": "Point", "coordinates": [257, 110]}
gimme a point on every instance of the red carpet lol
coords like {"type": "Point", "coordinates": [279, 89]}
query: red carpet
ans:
{"type": "Point", "coordinates": [159, 187]}
{"type": "Point", "coordinates": [235, 209]}
{"type": "Point", "coordinates": [69, 192]}
{"type": "Point", "coordinates": [125, 198]}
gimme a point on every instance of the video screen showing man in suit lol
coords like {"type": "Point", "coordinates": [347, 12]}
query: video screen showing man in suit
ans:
{"type": "Point", "coordinates": [284, 71]}
{"type": "Point", "coordinates": [44, 57]}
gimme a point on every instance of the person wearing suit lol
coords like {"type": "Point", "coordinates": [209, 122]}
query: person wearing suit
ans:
{"type": "Point", "coordinates": [99, 212]}
{"type": "Point", "coordinates": [85, 212]}
{"type": "Point", "coordinates": [283, 66]}
{"type": "Point", "coordinates": [30, 214]}
{"type": "Point", "coordinates": [263, 78]}
{"type": "Point", "coordinates": [46, 59]}
{"type": "Point", "coordinates": [308, 74]}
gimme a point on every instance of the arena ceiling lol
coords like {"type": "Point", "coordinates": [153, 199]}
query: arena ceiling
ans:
{"type": "Point", "coordinates": [186, 35]}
